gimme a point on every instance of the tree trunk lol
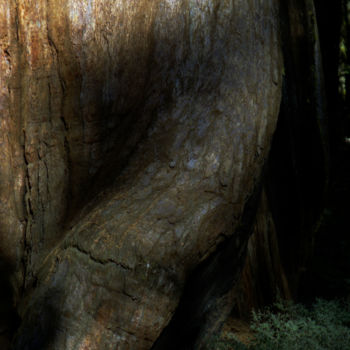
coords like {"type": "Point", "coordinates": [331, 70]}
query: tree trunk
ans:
{"type": "Point", "coordinates": [281, 249]}
{"type": "Point", "coordinates": [133, 135]}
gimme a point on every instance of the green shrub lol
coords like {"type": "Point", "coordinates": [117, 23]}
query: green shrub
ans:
{"type": "Point", "coordinates": [286, 326]}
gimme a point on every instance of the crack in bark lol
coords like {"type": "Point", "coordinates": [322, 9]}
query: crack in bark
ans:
{"type": "Point", "coordinates": [65, 123]}
{"type": "Point", "coordinates": [118, 291]}
{"type": "Point", "coordinates": [123, 330]}
{"type": "Point", "coordinates": [16, 20]}
{"type": "Point", "coordinates": [27, 245]}
{"type": "Point", "coordinates": [97, 260]}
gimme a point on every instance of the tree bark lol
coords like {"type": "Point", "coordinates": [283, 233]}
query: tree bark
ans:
{"type": "Point", "coordinates": [132, 135]}
{"type": "Point", "coordinates": [281, 249]}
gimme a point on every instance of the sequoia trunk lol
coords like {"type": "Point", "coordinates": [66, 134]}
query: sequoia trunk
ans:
{"type": "Point", "coordinates": [132, 135]}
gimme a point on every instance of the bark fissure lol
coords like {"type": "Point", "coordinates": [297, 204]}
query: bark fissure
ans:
{"type": "Point", "coordinates": [27, 239]}
{"type": "Point", "coordinates": [117, 291]}
{"type": "Point", "coordinates": [97, 260]}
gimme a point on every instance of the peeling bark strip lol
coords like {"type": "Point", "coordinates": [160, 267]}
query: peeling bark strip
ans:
{"type": "Point", "coordinates": [146, 126]}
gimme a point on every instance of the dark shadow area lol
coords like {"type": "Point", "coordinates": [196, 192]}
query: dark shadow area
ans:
{"type": "Point", "coordinates": [329, 274]}
{"type": "Point", "coordinates": [298, 166]}
{"type": "Point", "coordinates": [308, 183]}
{"type": "Point", "coordinates": [39, 329]}
{"type": "Point", "coordinates": [9, 319]}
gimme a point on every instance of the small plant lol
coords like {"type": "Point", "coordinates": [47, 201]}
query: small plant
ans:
{"type": "Point", "coordinates": [287, 326]}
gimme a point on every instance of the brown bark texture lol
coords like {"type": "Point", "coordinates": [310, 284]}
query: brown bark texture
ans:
{"type": "Point", "coordinates": [132, 134]}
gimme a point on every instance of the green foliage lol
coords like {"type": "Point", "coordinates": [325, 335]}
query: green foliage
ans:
{"type": "Point", "coordinates": [287, 326]}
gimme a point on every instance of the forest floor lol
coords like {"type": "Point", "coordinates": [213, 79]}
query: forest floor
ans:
{"type": "Point", "coordinates": [238, 328]}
